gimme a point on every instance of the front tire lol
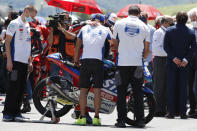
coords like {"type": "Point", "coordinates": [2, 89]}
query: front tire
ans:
{"type": "Point", "coordinates": [42, 94]}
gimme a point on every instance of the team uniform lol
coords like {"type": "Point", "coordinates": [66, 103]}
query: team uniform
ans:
{"type": "Point", "coordinates": [131, 33]}
{"type": "Point", "coordinates": [93, 40]}
{"type": "Point", "coordinates": [20, 53]}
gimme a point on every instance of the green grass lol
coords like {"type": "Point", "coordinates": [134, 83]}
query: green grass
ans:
{"type": "Point", "coordinates": [172, 10]}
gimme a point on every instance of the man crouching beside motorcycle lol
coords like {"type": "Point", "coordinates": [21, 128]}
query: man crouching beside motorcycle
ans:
{"type": "Point", "coordinates": [93, 39]}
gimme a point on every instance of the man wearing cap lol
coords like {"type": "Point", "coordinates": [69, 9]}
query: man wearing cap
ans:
{"type": "Point", "coordinates": [93, 39]}
{"type": "Point", "coordinates": [110, 20]}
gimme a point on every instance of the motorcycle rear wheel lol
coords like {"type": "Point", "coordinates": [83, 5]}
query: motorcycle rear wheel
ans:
{"type": "Point", "coordinates": [149, 109]}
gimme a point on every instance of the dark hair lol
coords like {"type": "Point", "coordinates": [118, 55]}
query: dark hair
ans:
{"type": "Point", "coordinates": [134, 10]}
{"type": "Point", "coordinates": [164, 19]}
{"type": "Point", "coordinates": [181, 17]}
{"type": "Point", "coordinates": [7, 22]}
{"type": "Point", "coordinates": [14, 15]}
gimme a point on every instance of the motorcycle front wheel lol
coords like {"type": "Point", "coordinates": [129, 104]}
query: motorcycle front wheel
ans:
{"type": "Point", "coordinates": [43, 94]}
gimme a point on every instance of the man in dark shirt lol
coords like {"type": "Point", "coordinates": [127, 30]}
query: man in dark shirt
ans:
{"type": "Point", "coordinates": [179, 44]}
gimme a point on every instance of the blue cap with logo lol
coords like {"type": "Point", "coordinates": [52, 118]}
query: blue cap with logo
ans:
{"type": "Point", "coordinates": [100, 17]}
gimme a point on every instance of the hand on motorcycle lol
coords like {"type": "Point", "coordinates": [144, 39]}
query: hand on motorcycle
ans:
{"type": "Point", "coordinates": [30, 67]}
{"type": "Point", "coordinates": [77, 64]}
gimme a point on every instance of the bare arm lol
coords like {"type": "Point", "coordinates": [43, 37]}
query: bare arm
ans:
{"type": "Point", "coordinates": [77, 50]}
{"type": "Point", "coordinates": [115, 43]}
{"type": "Point", "coordinates": [8, 52]}
{"type": "Point", "coordinates": [146, 49]}
{"type": "Point", "coordinates": [67, 34]}
{"type": "Point", "coordinates": [50, 38]}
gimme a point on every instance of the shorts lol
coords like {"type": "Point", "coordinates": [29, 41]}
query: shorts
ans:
{"type": "Point", "coordinates": [91, 68]}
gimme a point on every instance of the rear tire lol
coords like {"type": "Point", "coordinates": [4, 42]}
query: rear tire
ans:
{"type": "Point", "coordinates": [149, 109]}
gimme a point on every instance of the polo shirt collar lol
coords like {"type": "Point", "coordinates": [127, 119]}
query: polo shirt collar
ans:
{"type": "Point", "coordinates": [164, 28]}
{"type": "Point", "coordinates": [21, 21]}
{"type": "Point", "coordinates": [132, 16]}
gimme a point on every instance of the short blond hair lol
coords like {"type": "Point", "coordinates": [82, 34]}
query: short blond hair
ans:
{"type": "Point", "coordinates": [30, 8]}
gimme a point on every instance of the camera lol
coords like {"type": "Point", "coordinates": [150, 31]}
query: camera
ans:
{"type": "Point", "coordinates": [55, 19]}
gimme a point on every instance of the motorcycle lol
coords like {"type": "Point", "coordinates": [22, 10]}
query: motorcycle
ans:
{"type": "Point", "coordinates": [62, 96]}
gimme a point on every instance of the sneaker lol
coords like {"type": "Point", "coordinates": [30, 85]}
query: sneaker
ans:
{"type": "Point", "coordinates": [96, 122]}
{"type": "Point", "coordinates": [8, 118]}
{"type": "Point", "coordinates": [81, 121]}
{"type": "Point", "coordinates": [19, 118]}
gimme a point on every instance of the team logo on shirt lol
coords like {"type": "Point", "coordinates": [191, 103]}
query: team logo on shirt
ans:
{"type": "Point", "coordinates": [95, 34]}
{"type": "Point", "coordinates": [11, 28]}
{"type": "Point", "coordinates": [132, 30]}
{"type": "Point", "coordinates": [21, 28]}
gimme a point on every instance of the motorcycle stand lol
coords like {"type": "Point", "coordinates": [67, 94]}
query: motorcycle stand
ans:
{"type": "Point", "coordinates": [53, 120]}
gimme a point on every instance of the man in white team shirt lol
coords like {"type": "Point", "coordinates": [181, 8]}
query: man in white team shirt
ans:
{"type": "Point", "coordinates": [134, 37]}
{"type": "Point", "coordinates": [18, 50]}
{"type": "Point", "coordinates": [92, 38]}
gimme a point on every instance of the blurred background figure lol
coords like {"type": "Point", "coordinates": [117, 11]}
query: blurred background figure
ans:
{"type": "Point", "coordinates": [144, 18]}
{"type": "Point", "coordinates": [192, 83]}
{"type": "Point", "coordinates": [158, 22]}
{"type": "Point", "coordinates": [159, 64]}
{"type": "Point", "coordinates": [181, 37]}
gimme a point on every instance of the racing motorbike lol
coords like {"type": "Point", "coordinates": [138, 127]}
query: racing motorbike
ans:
{"type": "Point", "coordinates": [62, 95]}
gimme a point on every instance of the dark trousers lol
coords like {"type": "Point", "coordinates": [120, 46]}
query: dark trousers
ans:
{"type": "Point", "coordinates": [3, 76]}
{"type": "Point", "coordinates": [176, 78]}
{"type": "Point", "coordinates": [159, 85]}
{"type": "Point", "coordinates": [15, 92]}
{"type": "Point", "coordinates": [191, 77]}
{"type": "Point", "coordinates": [130, 75]}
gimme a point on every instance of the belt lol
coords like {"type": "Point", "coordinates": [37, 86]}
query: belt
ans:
{"type": "Point", "coordinates": [160, 57]}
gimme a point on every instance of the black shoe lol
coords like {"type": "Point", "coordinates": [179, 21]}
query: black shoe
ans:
{"type": "Point", "coordinates": [140, 124]}
{"type": "Point", "coordinates": [194, 115]}
{"type": "Point", "coordinates": [169, 116]}
{"type": "Point", "coordinates": [120, 124]}
{"type": "Point", "coordinates": [26, 108]}
{"type": "Point", "coordinates": [160, 114]}
{"type": "Point", "coordinates": [183, 116]}
{"type": "Point", "coordinates": [191, 112]}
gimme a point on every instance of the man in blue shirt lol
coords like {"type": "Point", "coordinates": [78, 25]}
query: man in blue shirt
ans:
{"type": "Point", "coordinates": [179, 44]}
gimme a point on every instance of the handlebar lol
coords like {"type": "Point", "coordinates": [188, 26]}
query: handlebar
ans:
{"type": "Point", "coordinates": [70, 63]}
